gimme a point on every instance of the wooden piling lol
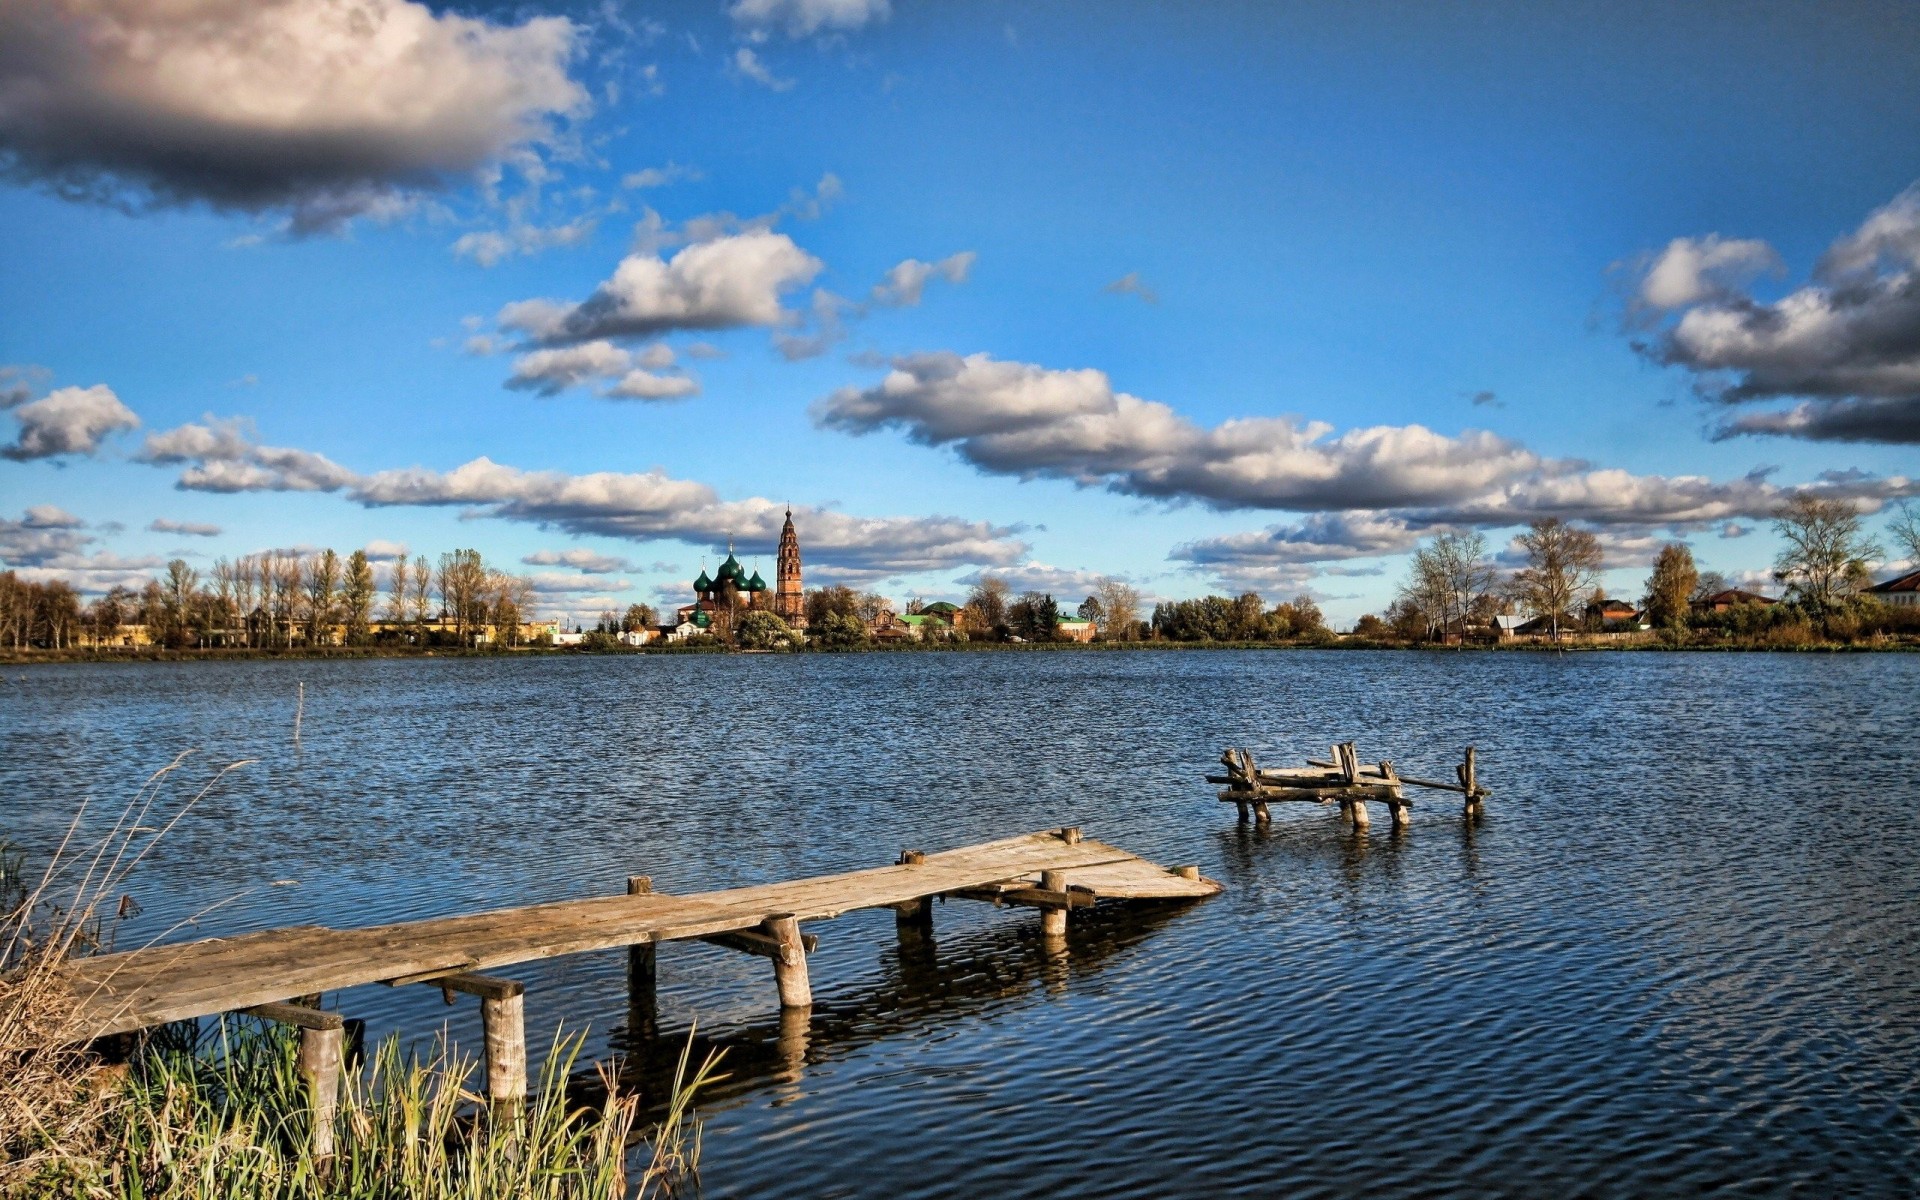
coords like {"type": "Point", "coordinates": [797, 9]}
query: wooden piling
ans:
{"type": "Point", "coordinates": [322, 1046]}
{"type": "Point", "coordinates": [1470, 784]}
{"type": "Point", "coordinates": [1357, 813]}
{"type": "Point", "coordinates": [643, 1013]}
{"type": "Point", "coordinates": [790, 964]}
{"type": "Point", "coordinates": [1053, 921]}
{"type": "Point", "coordinates": [503, 1023]}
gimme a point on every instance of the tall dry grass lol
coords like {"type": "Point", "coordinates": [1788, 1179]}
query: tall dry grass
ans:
{"type": "Point", "coordinates": [220, 1111]}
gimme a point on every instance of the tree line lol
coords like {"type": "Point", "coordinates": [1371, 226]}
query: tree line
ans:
{"type": "Point", "coordinates": [1453, 587]}
{"type": "Point", "coordinates": [279, 599]}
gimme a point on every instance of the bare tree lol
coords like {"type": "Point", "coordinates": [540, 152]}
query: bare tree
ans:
{"type": "Point", "coordinates": [225, 589]}
{"type": "Point", "coordinates": [422, 599]}
{"type": "Point", "coordinates": [1120, 606]}
{"type": "Point", "coordinates": [245, 575]}
{"type": "Point", "coordinates": [322, 596]}
{"type": "Point", "coordinates": [286, 583]}
{"type": "Point", "coordinates": [1905, 529]}
{"type": "Point", "coordinates": [1562, 563]}
{"type": "Point", "coordinates": [397, 583]}
{"type": "Point", "coordinates": [987, 603]}
{"type": "Point", "coordinates": [1825, 560]}
{"type": "Point", "coordinates": [462, 579]}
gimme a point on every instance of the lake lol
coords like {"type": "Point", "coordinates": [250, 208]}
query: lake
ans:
{"type": "Point", "coordinates": [1680, 952]}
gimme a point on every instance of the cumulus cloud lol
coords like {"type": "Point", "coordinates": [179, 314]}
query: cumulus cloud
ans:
{"type": "Point", "coordinates": [325, 108]}
{"type": "Point", "coordinates": [1846, 344]}
{"type": "Point", "coordinates": [1034, 422]}
{"type": "Point", "coordinates": [553, 370]}
{"type": "Point", "coordinates": [749, 66]}
{"type": "Point", "coordinates": [635, 506]}
{"type": "Point", "coordinates": [19, 382]}
{"type": "Point", "coordinates": [724, 283]}
{"type": "Point", "coordinates": [189, 528]}
{"type": "Point", "coordinates": [804, 18]}
{"type": "Point", "coordinates": [588, 561]}
{"type": "Point", "coordinates": [48, 544]}
{"type": "Point", "coordinates": [1068, 585]}
{"type": "Point", "coordinates": [69, 420]}
{"type": "Point", "coordinates": [906, 282]}
{"type": "Point", "coordinates": [223, 457]}
{"type": "Point", "coordinates": [1131, 284]}
{"type": "Point", "coordinates": [382, 550]}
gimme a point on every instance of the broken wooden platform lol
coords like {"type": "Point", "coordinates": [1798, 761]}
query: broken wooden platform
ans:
{"type": "Point", "coordinates": [1343, 779]}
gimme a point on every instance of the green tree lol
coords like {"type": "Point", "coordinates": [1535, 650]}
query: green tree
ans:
{"type": "Point", "coordinates": [639, 617]}
{"type": "Point", "coordinates": [762, 630]}
{"type": "Point", "coordinates": [1034, 616]}
{"type": "Point", "coordinates": [824, 602]}
{"type": "Point", "coordinates": [1825, 560]}
{"type": "Point", "coordinates": [838, 631]}
{"type": "Point", "coordinates": [356, 597]}
{"type": "Point", "coordinates": [1670, 587]}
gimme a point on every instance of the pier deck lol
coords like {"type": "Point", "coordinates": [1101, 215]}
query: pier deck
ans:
{"type": "Point", "coordinates": [1053, 871]}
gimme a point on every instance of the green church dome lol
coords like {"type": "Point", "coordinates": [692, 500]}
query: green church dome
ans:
{"type": "Point", "coordinates": [701, 618]}
{"type": "Point", "coordinates": [756, 584]}
{"type": "Point", "coordinates": [703, 584]}
{"type": "Point", "coordinates": [730, 569]}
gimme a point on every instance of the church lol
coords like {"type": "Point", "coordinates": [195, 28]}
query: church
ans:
{"type": "Point", "coordinates": [731, 593]}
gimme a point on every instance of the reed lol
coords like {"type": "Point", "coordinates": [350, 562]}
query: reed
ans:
{"type": "Point", "coordinates": [218, 1110]}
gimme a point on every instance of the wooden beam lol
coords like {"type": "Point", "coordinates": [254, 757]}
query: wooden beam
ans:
{"type": "Point", "coordinates": [298, 1014]}
{"type": "Point", "coordinates": [1074, 896]}
{"type": "Point", "coordinates": [790, 964]}
{"type": "Point", "coordinates": [749, 941]}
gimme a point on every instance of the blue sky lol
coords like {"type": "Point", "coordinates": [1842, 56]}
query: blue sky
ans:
{"type": "Point", "coordinates": [1670, 251]}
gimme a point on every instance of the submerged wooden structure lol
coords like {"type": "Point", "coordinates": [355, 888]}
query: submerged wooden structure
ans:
{"type": "Point", "coordinates": [279, 974]}
{"type": "Point", "coordinates": [1343, 779]}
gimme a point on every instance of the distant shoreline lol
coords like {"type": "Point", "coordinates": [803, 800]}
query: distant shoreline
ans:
{"type": "Point", "coordinates": [13, 658]}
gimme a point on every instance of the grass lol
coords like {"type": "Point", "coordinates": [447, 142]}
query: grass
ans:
{"type": "Point", "coordinates": [199, 1111]}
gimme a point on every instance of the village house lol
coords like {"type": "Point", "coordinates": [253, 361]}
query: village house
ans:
{"type": "Point", "coordinates": [1902, 591]}
{"type": "Point", "coordinates": [1612, 614]}
{"type": "Point", "coordinates": [1730, 598]}
{"type": "Point", "coordinates": [1073, 629]}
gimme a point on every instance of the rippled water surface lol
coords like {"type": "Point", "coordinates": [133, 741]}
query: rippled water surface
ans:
{"type": "Point", "coordinates": [1681, 951]}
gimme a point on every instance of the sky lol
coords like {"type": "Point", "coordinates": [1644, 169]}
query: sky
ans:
{"type": "Point", "coordinates": [1205, 298]}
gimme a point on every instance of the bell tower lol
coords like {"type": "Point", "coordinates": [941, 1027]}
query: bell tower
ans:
{"type": "Point", "coordinates": [789, 604]}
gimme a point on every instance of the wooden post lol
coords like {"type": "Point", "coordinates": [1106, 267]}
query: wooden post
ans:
{"type": "Point", "coordinates": [790, 965]}
{"type": "Point", "coordinates": [1357, 813]}
{"type": "Point", "coordinates": [503, 1019]}
{"type": "Point", "coordinates": [323, 1039]}
{"type": "Point", "coordinates": [319, 1065]}
{"type": "Point", "coordinates": [1396, 798]}
{"type": "Point", "coordinates": [643, 1012]}
{"type": "Point", "coordinates": [1471, 784]}
{"type": "Point", "coordinates": [914, 918]}
{"type": "Point", "coordinates": [1187, 872]}
{"type": "Point", "coordinates": [1260, 813]}
{"type": "Point", "coordinates": [1053, 921]}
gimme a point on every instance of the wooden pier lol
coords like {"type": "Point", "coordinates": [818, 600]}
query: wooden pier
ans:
{"type": "Point", "coordinates": [1342, 779]}
{"type": "Point", "coordinates": [279, 974]}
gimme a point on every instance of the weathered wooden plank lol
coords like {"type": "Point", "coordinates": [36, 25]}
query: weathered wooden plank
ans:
{"type": "Point", "coordinates": [135, 989]}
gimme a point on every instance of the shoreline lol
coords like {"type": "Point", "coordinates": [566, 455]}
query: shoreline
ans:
{"type": "Point", "coordinates": [12, 658]}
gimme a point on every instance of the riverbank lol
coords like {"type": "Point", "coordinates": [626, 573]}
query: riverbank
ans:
{"type": "Point", "coordinates": [1569, 644]}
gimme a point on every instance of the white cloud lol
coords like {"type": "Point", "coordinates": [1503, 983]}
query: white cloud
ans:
{"type": "Point", "coordinates": [225, 458]}
{"type": "Point", "coordinates": [488, 247]}
{"type": "Point", "coordinates": [1068, 585]}
{"type": "Point", "coordinates": [552, 370]}
{"type": "Point", "coordinates": [69, 420]}
{"type": "Point", "coordinates": [647, 385]}
{"type": "Point", "coordinates": [1131, 284]}
{"type": "Point", "coordinates": [47, 545]}
{"type": "Point", "coordinates": [329, 109]}
{"type": "Point", "coordinates": [804, 18]}
{"type": "Point", "coordinates": [653, 177]}
{"type": "Point", "coordinates": [580, 559]}
{"type": "Point", "coordinates": [189, 528]}
{"type": "Point", "coordinates": [382, 550]}
{"type": "Point", "coordinates": [724, 283]}
{"type": "Point", "coordinates": [907, 281]}
{"type": "Point", "coordinates": [1846, 343]}
{"type": "Point", "coordinates": [748, 65]}
{"type": "Point", "coordinates": [634, 506]}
